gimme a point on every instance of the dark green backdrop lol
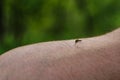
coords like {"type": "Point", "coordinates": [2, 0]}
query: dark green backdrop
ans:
{"type": "Point", "coordinates": [29, 21]}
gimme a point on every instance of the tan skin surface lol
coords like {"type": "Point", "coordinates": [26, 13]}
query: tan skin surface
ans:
{"type": "Point", "coordinates": [96, 58]}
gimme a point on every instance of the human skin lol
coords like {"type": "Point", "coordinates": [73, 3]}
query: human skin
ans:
{"type": "Point", "coordinates": [96, 58]}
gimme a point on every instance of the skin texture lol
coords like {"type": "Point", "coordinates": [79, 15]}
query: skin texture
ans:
{"type": "Point", "coordinates": [96, 58]}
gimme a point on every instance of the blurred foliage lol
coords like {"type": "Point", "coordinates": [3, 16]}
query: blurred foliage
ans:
{"type": "Point", "coordinates": [29, 21]}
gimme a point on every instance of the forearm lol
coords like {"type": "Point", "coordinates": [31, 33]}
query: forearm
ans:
{"type": "Point", "coordinates": [90, 59]}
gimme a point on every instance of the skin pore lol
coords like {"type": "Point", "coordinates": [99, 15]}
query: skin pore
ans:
{"type": "Point", "coordinates": [96, 58]}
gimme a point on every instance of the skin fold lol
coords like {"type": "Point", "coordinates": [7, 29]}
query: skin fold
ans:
{"type": "Point", "coordinates": [96, 58]}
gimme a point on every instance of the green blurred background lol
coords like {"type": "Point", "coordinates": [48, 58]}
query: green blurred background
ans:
{"type": "Point", "coordinates": [30, 21]}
